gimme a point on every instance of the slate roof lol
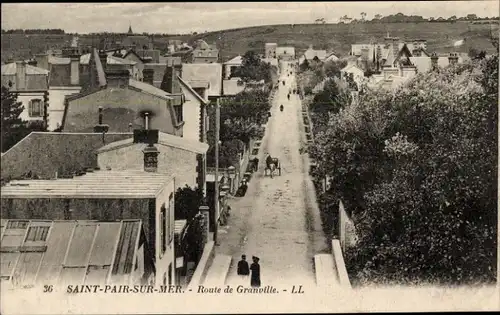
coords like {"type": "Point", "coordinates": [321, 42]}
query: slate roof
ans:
{"type": "Point", "coordinates": [36, 78]}
{"type": "Point", "coordinates": [152, 53]}
{"type": "Point", "coordinates": [150, 89]}
{"type": "Point", "coordinates": [159, 72]}
{"type": "Point", "coordinates": [77, 252]}
{"type": "Point", "coordinates": [211, 72]}
{"type": "Point", "coordinates": [163, 139]}
{"type": "Point", "coordinates": [45, 153]}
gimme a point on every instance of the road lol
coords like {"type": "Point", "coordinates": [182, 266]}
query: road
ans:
{"type": "Point", "coordinates": [276, 220]}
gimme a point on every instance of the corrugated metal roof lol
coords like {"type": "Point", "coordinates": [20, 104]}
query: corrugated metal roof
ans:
{"type": "Point", "coordinates": [211, 72]}
{"type": "Point", "coordinates": [99, 184]}
{"type": "Point", "coordinates": [79, 252]}
{"type": "Point", "coordinates": [164, 139]}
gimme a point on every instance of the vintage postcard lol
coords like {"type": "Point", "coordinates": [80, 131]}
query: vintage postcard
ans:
{"type": "Point", "coordinates": [248, 157]}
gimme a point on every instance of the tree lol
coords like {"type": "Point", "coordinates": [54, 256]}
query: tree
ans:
{"type": "Point", "coordinates": [378, 16]}
{"type": "Point", "coordinates": [14, 128]}
{"type": "Point", "coordinates": [187, 202]}
{"type": "Point", "coordinates": [363, 16]}
{"type": "Point", "coordinates": [253, 69]}
{"type": "Point", "coordinates": [411, 168]}
{"type": "Point", "coordinates": [332, 68]}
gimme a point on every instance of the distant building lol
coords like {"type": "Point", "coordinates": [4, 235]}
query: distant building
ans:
{"type": "Point", "coordinates": [232, 65]}
{"type": "Point", "coordinates": [311, 53]}
{"type": "Point", "coordinates": [204, 76]}
{"type": "Point", "coordinates": [285, 53]}
{"type": "Point", "coordinates": [270, 50]}
{"type": "Point", "coordinates": [205, 53]}
{"type": "Point", "coordinates": [32, 86]}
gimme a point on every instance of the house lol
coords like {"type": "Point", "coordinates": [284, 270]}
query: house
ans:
{"type": "Point", "coordinates": [270, 50]}
{"type": "Point", "coordinates": [156, 76]}
{"type": "Point", "coordinates": [204, 76]}
{"type": "Point", "coordinates": [132, 55]}
{"type": "Point", "coordinates": [285, 53]}
{"type": "Point", "coordinates": [149, 55]}
{"type": "Point", "coordinates": [205, 53]}
{"type": "Point", "coordinates": [137, 42]}
{"type": "Point", "coordinates": [424, 63]}
{"type": "Point", "coordinates": [175, 156]}
{"type": "Point", "coordinates": [55, 154]}
{"type": "Point", "coordinates": [194, 107]}
{"type": "Point", "coordinates": [231, 66]}
{"type": "Point", "coordinates": [105, 196]}
{"type": "Point", "coordinates": [32, 87]}
{"type": "Point", "coordinates": [123, 104]}
{"type": "Point", "coordinates": [353, 70]}
{"type": "Point", "coordinates": [331, 57]}
{"type": "Point", "coordinates": [87, 252]}
{"type": "Point", "coordinates": [311, 53]}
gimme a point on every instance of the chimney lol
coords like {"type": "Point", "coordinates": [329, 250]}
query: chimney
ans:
{"type": "Point", "coordinates": [75, 69]}
{"type": "Point", "coordinates": [117, 78]}
{"type": "Point", "coordinates": [100, 127]}
{"type": "Point", "coordinates": [395, 47]}
{"type": "Point", "coordinates": [20, 75]}
{"type": "Point", "coordinates": [148, 76]}
{"type": "Point", "coordinates": [168, 78]}
{"type": "Point", "coordinates": [434, 61]}
{"type": "Point", "coordinates": [453, 58]}
{"type": "Point", "coordinates": [150, 158]}
{"type": "Point", "coordinates": [42, 61]}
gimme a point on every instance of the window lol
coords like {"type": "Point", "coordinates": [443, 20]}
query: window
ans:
{"type": "Point", "coordinates": [163, 226]}
{"type": "Point", "coordinates": [36, 108]}
{"type": "Point", "coordinates": [178, 112]}
{"type": "Point", "coordinates": [37, 233]}
{"type": "Point", "coordinates": [171, 220]}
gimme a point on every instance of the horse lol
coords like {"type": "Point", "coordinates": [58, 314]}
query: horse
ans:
{"type": "Point", "coordinates": [272, 166]}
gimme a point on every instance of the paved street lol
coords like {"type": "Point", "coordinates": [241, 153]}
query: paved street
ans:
{"type": "Point", "coordinates": [277, 219]}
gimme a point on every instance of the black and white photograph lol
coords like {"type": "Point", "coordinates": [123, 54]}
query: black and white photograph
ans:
{"type": "Point", "coordinates": [249, 157]}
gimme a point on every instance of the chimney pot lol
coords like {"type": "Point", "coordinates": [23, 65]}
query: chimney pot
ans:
{"type": "Point", "coordinates": [150, 158]}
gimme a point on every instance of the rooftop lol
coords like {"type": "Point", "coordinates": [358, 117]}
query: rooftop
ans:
{"type": "Point", "coordinates": [11, 69]}
{"type": "Point", "coordinates": [163, 139]}
{"type": "Point", "coordinates": [211, 72]}
{"type": "Point", "coordinates": [94, 185]}
{"type": "Point", "coordinates": [83, 252]}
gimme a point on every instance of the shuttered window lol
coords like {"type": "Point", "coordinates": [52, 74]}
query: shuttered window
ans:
{"type": "Point", "coordinates": [178, 113]}
{"type": "Point", "coordinates": [163, 232]}
{"type": "Point", "coordinates": [36, 108]}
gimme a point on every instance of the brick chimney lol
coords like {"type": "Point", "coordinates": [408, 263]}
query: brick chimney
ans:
{"type": "Point", "coordinates": [117, 78]}
{"type": "Point", "coordinates": [434, 61]}
{"type": "Point", "coordinates": [150, 158]}
{"type": "Point", "coordinates": [148, 76]}
{"type": "Point", "coordinates": [75, 69]}
{"type": "Point", "coordinates": [100, 127]}
{"type": "Point", "coordinates": [20, 75]}
{"type": "Point", "coordinates": [453, 58]}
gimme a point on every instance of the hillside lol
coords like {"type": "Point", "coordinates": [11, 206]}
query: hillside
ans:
{"type": "Point", "coordinates": [336, 37]}
{"type": "Point", "coordinates": [339, 37]}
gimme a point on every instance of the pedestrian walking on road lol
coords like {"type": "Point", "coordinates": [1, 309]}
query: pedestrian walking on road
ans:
{"type": "Point", "coordinates": [243, 269]}
{"type": "Point", "coordinates": [255, 277]}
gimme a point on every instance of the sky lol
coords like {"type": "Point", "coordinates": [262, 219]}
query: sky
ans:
{"type": "Point", "coordinates": [182, 18]}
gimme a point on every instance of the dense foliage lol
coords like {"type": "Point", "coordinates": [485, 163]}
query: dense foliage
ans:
{"type": "Point", "coordinates": [187, 201]}
{"type": "Point", "coordinates": [13, 127]}
{"type": "Point", "coordinates": [417, 170]}
{"type": "Point", "coordinates": [253, 69]}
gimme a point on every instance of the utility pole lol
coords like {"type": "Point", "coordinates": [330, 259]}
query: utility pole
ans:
{"type": "Point", "coordinates": [217, 139]}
